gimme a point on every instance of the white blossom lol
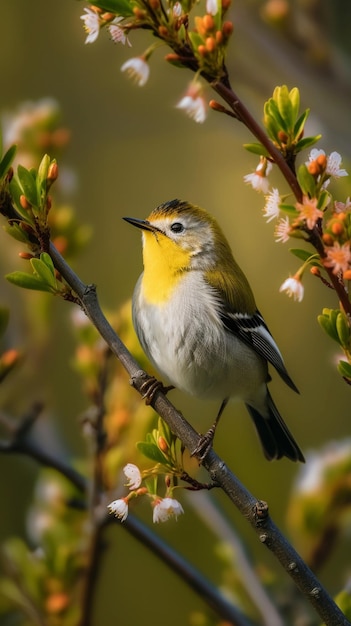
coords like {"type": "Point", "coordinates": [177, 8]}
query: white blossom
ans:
{"type": "Point", "coordinates": [119, 508]}
{"type": "Point", "coordinates": [166, 508]}
{"type": "Point", "coordinates": [212, 7]}
{"type": "Point", "coordinates": [91, 25]}
{"type": "Point", "coordinates": [333, 166]}
{"type": "Point", "coordinates": [132, 472]}
{"type": "Point", "coordinates": [293, 287]}
{"type": "Point", "coordinates": [258, 179]}
{"type": "Point", "coordinates": [117, 33]}
{"type": "Point", "coordinates": [271, 208]}
{"type": "Point", "coordinates": [193, 103]}
{"type": "Point", "coordinates": [137, 69]}
{"type": "Point", "coordinates": [282, 230]}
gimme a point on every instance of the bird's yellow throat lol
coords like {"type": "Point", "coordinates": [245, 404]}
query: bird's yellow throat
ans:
{"type": "Point", "coordinates": [164, 263]}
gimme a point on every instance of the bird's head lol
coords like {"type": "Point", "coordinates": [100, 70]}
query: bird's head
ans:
{"type": "Point", "coordinates": [181, 236]}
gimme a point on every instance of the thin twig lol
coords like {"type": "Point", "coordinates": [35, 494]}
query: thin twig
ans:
{"type": "Point", "coordinates": [252, 510]}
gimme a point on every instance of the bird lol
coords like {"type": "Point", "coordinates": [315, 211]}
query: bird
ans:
{"type": "Point", "coordinates": [197, 321]}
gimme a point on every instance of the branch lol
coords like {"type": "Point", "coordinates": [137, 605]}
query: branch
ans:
{"type": "Point", "coordinates": [254, 511]}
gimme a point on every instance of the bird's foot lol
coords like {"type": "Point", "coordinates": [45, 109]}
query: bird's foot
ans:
{"type": "Point", "coordinates": [150, 386]}
{"type": "Point", "coordinates": [204, 445]}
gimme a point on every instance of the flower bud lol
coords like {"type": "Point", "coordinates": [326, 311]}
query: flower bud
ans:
{"type": "Point", "coordinates": [139, 14]}
{"type": "Point", "coordinates": [337, 228]}
{"type": "Point", "coordinates": [322, 161]}
{"type": "Point", "coordinates": [208, 22]}
{"type": "Point", "coordinates": [52, 172]}
{"type": "Point", "coordinates": [210, 44]}
{"type": "Point", "coordinates": [347, 275]}
{"type": "Point", "coordinates": [25, 255]}
{"type": "Point", "coordinates": [162, 444]}
{"type": "Point", "coordinates": [108, 17]}
{"type": "Point", "coordinates": [163, 32]}
{"type": "Point", "coordinates": [313, 168]}
{"type": "Point", "coordinates": [24, 203]}
{"type": "Point", "coordinates": [202, 50]}
{"type": "Point", "coordinates": [282, 136]}
{"type": "Point", "coordinates": [227, 29]}
{"type": "Point", "coordinates": [219, 37]}
{"type": "Point", "coordinates": [315, 271]}
{"type": "Point", "coordinates": [328, 239]}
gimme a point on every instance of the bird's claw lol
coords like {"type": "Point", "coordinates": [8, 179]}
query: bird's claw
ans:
{"type": "Point", "coordinates": [204, 445]}
{"type": "Point", "coordinates": [149, 388]}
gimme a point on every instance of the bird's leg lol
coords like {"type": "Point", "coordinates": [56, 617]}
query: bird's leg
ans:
{"type": "Point", "coordinates": [149, 387]}
{"type": "Point", "coordinates": [206, 440]}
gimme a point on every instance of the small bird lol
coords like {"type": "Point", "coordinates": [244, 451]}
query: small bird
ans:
{"type": "Point", "coordinates": [197, 321]}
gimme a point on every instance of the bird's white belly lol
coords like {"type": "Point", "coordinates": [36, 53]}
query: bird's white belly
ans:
{"type": "Point", "coordinates": [187, 343]}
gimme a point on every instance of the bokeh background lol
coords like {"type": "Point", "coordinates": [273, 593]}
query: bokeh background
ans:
{"type": "Point", "coordinates": [130, 150]}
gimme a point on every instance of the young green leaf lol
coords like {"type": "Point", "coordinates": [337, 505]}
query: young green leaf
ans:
{"type": "Point", "coordinates": [284, 106]}
{"type": "Point", "coordinates": [28, 185]}
{"type": "Point", "coordinates": [304, 256]}
{"type": "Point", "coordinates": [344, 369]}
{"type": "Point", "coordinates": [256, 148]}
{"type": "Point", "coordinates": [294, 96]}
{"type": "Point", "coordinates": [42, 271]}
{"type": "Point", "coordinates": [7, 160]}
{"type": "Point", "coordinates": [306, 181]}
{"type": "Point", "coordinates": [28, 281]}
{"type": "Point", "coordinates": [151, 451]}
{"type": "Point", "coordinates": [307, 142]}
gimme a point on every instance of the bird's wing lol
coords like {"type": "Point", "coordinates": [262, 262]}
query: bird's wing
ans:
{"type": "Point", "coordinates": [252, 329]}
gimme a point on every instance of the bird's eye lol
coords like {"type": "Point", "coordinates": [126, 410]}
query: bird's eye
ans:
{"type": "Point", "coordinates": [177, 227]}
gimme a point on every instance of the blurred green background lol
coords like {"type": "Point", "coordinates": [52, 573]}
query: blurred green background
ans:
{"type": "Point", "coordinates": [131, 149]}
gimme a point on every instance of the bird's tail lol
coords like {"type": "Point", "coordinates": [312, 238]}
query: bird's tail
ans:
{"type": "Point", "coordinates": [276, 439]}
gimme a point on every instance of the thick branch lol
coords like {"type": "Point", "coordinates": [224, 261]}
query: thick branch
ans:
{"type": "Point", "coordinates": [255, 512]}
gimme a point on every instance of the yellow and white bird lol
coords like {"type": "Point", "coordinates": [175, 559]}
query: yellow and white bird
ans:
{"type": "Point", "coordinates": [197, 321]}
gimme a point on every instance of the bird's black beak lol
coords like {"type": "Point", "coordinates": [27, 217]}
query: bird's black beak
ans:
{"type": "Point", "coordinates": [143, 224]}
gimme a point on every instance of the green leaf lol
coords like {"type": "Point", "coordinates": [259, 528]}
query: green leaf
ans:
{"type": "Point", "coordinates": [28, 185]}
{"type": "Point", "coordinates": [307, 142]}
{"type": "Point", "coordinates": [294, 96]}
{"type": "Point", "coordinates": [165, 431]}
{"type": "Point", "coordinates": [323, 200]}
{"type": "Point", "coordinates": [42, 176]}
{"type": "Point", "coordinates": [274, 113]}
{"type": "Point", "coordinates": [256, 148]}
{"type": "Point", "coordinates": [289, 210]}
{"type": "Point", "coordinates": [28, 281]}
{"type": "Point", "coordinates": [42, 271]}
{"type": "Point", "coordinates": [16, 232]}
{"type": "Point", "coordinates": [46, 258]}
{"type": "Point", "coordinates": [151, 451]}
{"type": "Point", "coordinates": [284, 106]}
{"type": "Point", "coordinates": [343, 330]}
{"type": "Point", "coordinates": [305, 255]}
{"type": "Point", "coordinates": [306, 181]}
{"type": "Point", "coordinates": [344, 369]}
{"type": "Point", "coordinates": [300, 123]}
{"type": "Point", "coordinates": [7, 160]}
{"type": "Point", "coordinates": [120, 7]}
{"type": "Point", "coordinates": [327, 322]}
